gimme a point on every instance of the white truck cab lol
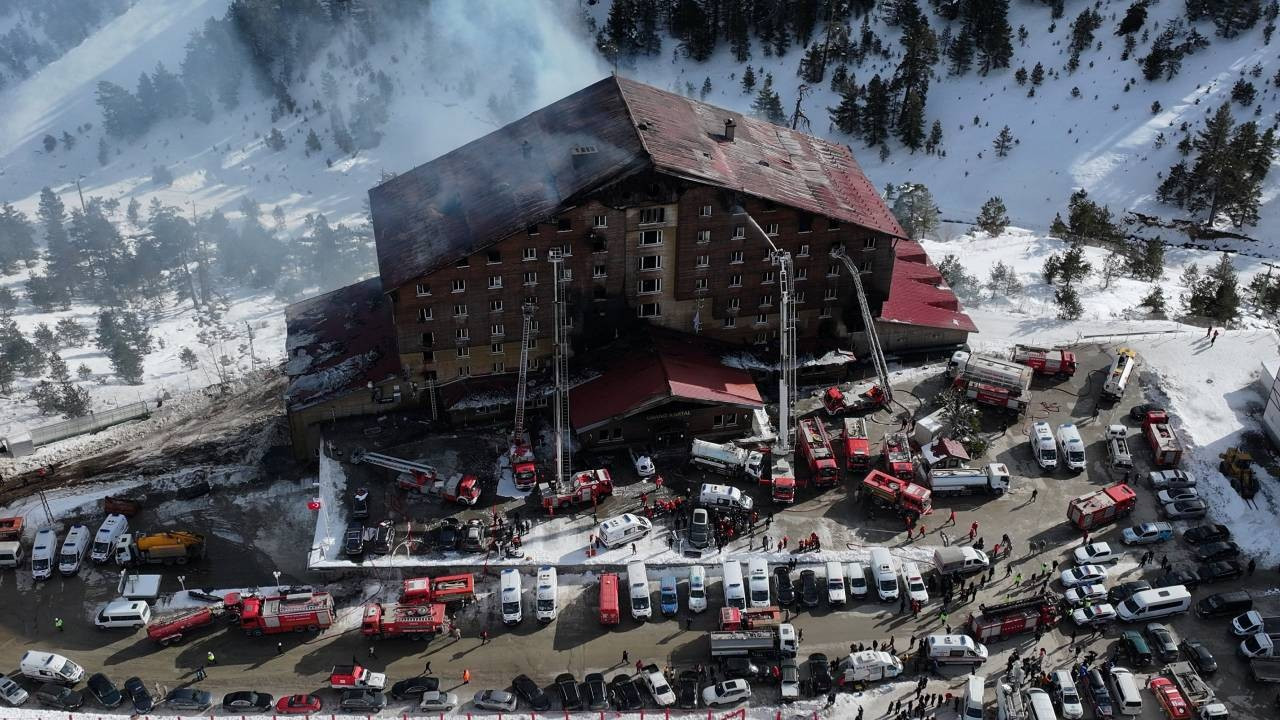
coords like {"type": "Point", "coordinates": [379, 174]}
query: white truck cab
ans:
{"type": "Point", "coordinates": [835, 584]}
{"type": "Point", "coordinates": [547, 601]}
{"type": "Point", "coordinates": [50, 667]}
{"type": "Point", "coordinates": [512, 607]}
{"type": "Point", "coordinates": [43, 553]}
{"type": "Point", "coordinates": [74, 547]}
{"type": "Point", "coordinates": [1071, 447]}
{"type": "Point", "coordinates": [1043, 447]}
{"type": "Point", "coordinates": [104, 542]}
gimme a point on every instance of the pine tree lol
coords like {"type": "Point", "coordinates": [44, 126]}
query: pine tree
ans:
{"type": "Point", "coordinates": [813, 65]}
{"type": "Point", "coordinates": [104, 152]}
{"type": "Point", "coordinates": [1003, 142]}
{"type": "Point", "coordinates": [737, 24]}
{"type": "Point", "coordinates": [1073, 267]}
{"type": "Point", "coordinates": [1134, 18]}
{"type": "Point", "coordinates": [993, 218]}
{"type": "Point", "coordinates": [1003, 281]}
{"type": "Point", "coordinates": [200, 104]}
{"type": "Point", "coordinates": [910, 127]}
{"type": "Point", "coordinates": [1020, 76]}
{"type": "Point", "coordinates": [915, 210]}
{"type": "Point", "coordinates": [341, 135]}
{"type": "Point", "coordinates": [1209, 174]}
{"type": "Point", "coordinates": [748, 80]}
{"type": "Point", "coordinates": [170, 94]}
{"type": "Point", "coordinates": [1037, 74]}
{"type": "Point", "coordinates": [934, 143]}
{"type": "Point", "coordinates": [313, 142]}
{"type": "Point", "coordinates": [1148, 262]}
{"type": "Point", "coordinates": [706, 88]}
{"type": "Point", "coordinates": [994, 36]}
{"type": "Point", "coordinates": [71, 333]}
{"type": "Point", "coordinates": [44, 338]}
{"type": "Point", "coordinates": [960, 53]}
{"type": "Point", "coordinates": [768, 104]}
{"type": "Point", "coordinates": [17, 239]}
{"type": "Point", "coordinates": [1155, 301]}
{"type": "Point", "coordinates": [188, 359]}
{"type": "Point", "coordinates": [1068, 302]}
{"type": "Point", "coordinates": [60, 257]}
{"type": "Point", "coordinates": [50, 143]}
{"type": "Point", "coordinates": [954, 275]}
{"type": "Point", "coordinates": [69, 140]}
{"type": "Point", "coordinates": [875, 113]}
{"type": "Point", "coordinates": [846, 117]}
{"type": "Point", "coordinates": [275, 140]}
{"type": "Point", "coordinates": [839, 78]}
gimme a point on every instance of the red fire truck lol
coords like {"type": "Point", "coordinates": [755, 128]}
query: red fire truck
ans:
{"type": "Point", "coordinates": [1166, 449]}
{"type": "Point", "coordinates": [524, 466]}
{"type": "Point", "coordinates": [858, 399]}
{"type": "Point", "coordinates": [1101, 507]}
{"type": "Point", "coordinates": [447, 589]}
{"type": "Point", "coordinates": [895, 453]}
{"type": "Point", "coordinates": [905, 497]}
{"type": "Point", "coordinates": [857, 447]}
{"type": "Point", "coordinates": [582, 488]}
{"type": "Point", "coordinates": [173, 628]}
{"type": "Point", "coordinates": [398, 620]}
{"type": "Point", "coordinates": [355, 677]}
{"type": "Point", "coordinates": [1045, 361]}
{"type": "Point", "coordinates": [734, 619]}
{"type": "Point", "coordinates": [816, 446]}
{"type": "Point", "coordinates": [285, 613]}
{"type": "Point", "coordinates": [997, 622]}
{"type": "Point", "coordinates": [609, 599]}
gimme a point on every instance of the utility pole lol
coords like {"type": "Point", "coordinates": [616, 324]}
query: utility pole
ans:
{"type": "Point", "coordinates": [253, 359]}
{"type": "Point", "coordinates": [80, 193]}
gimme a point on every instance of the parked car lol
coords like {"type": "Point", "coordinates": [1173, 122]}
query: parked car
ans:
{"type": "Point", "coordinates": [788, 679]}
{"type": "Point", "coordinates": [1186, 509]}
{"type": "Point", "coordinates": [1099, 696]}
{"type": "Point", "coordinates": [567, 687]}
{"type": "Point", "coordinates": [56, 695]}
{"type": "Point", "coordinates": [624, 695]}
{"type": "Point", "coordinates": [1178, 575]}
{"type": "Point", "coordinates": [366, 700]}
{"type": "Point", "coordinates": [1167, 479]}
{"type": "Point", "coordinates": [138, 695]}
{"type": "Point", "coordinates": [1083, 575]}
{"type": "Point", "coordinates": [1201, 534]}
{"type": "Point", "coordinates": [104, 691]}
{"type": "Point", "coordinates": [819, 668]}
{"type": "Point", "coordinates": [414, 687]}
{"type": "Point", "coordinates": [1174, 495]}
{"type": "Point", "coordinates": [1094, 593]}
{"type": "Point", "coordinates": [808, 588]}
{"type": "Point", "coordinates": [298, 705]}
{"type": "Point", "coordinates": [1065, 695]}
{"type": "Point", "coordinates": [1199, 656]}
{"type": "Point", "coordinates": [1098, 553]}
{"type": "Point", "coordinates": [738, 667]}
{"type": "Point", "coordinates": [1162, 641]}
{"type": "Point", "coordinates": [13, 694]}
{"type": "Point", "coordinates": [384, 538]}
{"type": "Point", "coordinates": [1219, 571]}
{"type": "Point", "coordinates": [1221, 550]}
{"type": "Point", "coordinates": [499, 700]}
{"type": "Point", "coordinates": [699, 528]}
{"type": "Point", "coordinates": [1147, 533]}
{"type": "Point", "coordinates": [1094, 615]}
{"type": "Point", "coordinates": [729, 692]}
{"type": "Point", "coordinates": [594, 693]}
{"type": "Point", "coordinates": [474, 536]}
{"type": "Point", "coordinates": [360, 504]}
{"type": "Point", "coordinates": [247, 700]}
{"type": "Point", "coordinates": [438, 701]}
{"type": "Point", "coordinates": [687, 687]}
{"type": "Point", "coordinates": [353, 539]}
{"type": "Point", "coordinates": [782, 587]}
{"type": "Point", "coordinates": [189, 699]}
{"type": "Point", "coordinates": [1126, 590]}
{"type": "Point", "coordinates": [1138, 413]}
{"type": "Point", "coordinates": [528, 690]}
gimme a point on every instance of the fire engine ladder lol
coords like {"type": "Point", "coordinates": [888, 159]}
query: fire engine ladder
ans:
{"type": "Point", "coordinates": [786, 338]}
{"type": "Point", "coordinates": [564, 460]}
{"type": "Point", "coordinates": [393, 463]}
{"type": "Point", "coordinates": [873, 338]}
{"type": "Point", "coordinates": [522, 381]}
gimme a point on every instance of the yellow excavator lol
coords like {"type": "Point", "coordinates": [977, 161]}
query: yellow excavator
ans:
{"type": "Point", "coordinates": [1237, 465]}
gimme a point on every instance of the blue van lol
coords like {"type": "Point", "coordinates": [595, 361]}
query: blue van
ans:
{"type": "Point", "coordinates": [668, 595]}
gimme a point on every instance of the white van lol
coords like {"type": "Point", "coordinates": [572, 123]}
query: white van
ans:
{"type": "Point", "coordinates": [512, 607]}
{"type": "Point", "coordinates": [724, 497]}
{"type": "Point", "coordinates": [74, 548]}
{"type": "Point", "coordinates": [623, 529]}
{"type": "Point", "coordinates": [835, 584]}
{"type": "Point", "coordinates": [955, 650]}
{"type": "Point", "coordinates": [50, 667]}
{"type": "Point", "coordinates": [1124, 691]}
{"type": "Point", "coordinates": [735, 595]}
{"type": "Point", "coordinates": [1043, 447]}
{"type": "Point", "coordinates": [697, 588]}
{"type": "Point", "coordinates": [638, 591]}
{"type": "Point", "coordinates": [104, 542]}
{"type": "Point", "coordinates": [547, 598]}
{"type": "Point", "coordinates": [975, 698]}
{"type": "Point", "coordinates": [1071, 446]}
{"type": "Point", "coordinates": [11, 554]}
{"type": "Point", "coordinates": [1040, 705]}
{"type": "Point", "coordinates": [884, 574]}
{"type": "Point", "coordinates": [123, 614]}
{"type": "Point", "coordinates": [914, 583]}
{"type": "Point", "coordinates": [758, 582]}
{"type": "Point", "coordinates": [1156, 603]}
{"type": "Point", "coordinates": [43, 553]}
{"type": "Point", "coordinates": [856, 575]}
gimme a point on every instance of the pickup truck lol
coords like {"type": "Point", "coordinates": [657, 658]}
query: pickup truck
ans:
{"type": "Point", "coordinates": [355, 677]}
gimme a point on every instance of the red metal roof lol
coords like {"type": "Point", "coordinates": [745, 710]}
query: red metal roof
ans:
{"type": "Point", "coordinates": [919, 296]}
{"type": "Point", "coordinates": [545, 162]}
{"type": "Point", "coordinates": [673, 369]}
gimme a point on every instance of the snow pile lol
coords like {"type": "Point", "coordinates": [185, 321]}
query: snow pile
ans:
{"type": "Point", "coordinates": [331, 484]}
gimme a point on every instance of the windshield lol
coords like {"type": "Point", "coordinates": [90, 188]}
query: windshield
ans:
{"type": "Point", "coordinates": [510, 608]}
{"type": "Point", "coordinates": [857, 582]}
{"type": "Point", "coordinates": [1252, 646]}
{"type": "Point", "coordinates": [1048, 454]}
{"type": "Point", "coordinates": [835, 584]}
{"type": "Point", "coordinates": [661, 688]}
{"type": "Point", "coordinates": [1069, 696]}
{"type": "Point", "coordinates": [697, 593]}
{"type": "Point", "coordinates": [68, 558]}
{"type": "Point", "coordinates": [889, 585]}
{"type": "Point", "coordinates": [759, 596]}
{"type": "Point", "coordinates": [915, 584]}
{"type": "Point", "coordinates": [40, 564]}
{"type": "Point", "coordinates": [546, 605]}
{"type": "Point", "coordinates": [1076, 456]}
{"type": "Point", "coordinates": [101, 547]}
{"type": "Point", "coordinates": [1130, 607]}
{"type": "Point", "coordinates": [640, 603]}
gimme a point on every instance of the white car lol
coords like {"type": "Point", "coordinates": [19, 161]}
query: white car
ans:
{"type": "Point", "coordinates": [11, 692]}
{"type": "Point", "coordinates": [644, 466]}
{"type": "Point", "coordinates": [1166, 479]}
{"type": "Point", "coordinates": [656, 683]}
{"type": "Point", "coordinates": [1147, 533]}
{"type": "Point", "coordinates": [729, 692]}
{"type": "Point", "coordinates": [915, 584]}
{"type": "Point", "coordinates": [1164, 497]}
{"type": "Point", "coordinates": [495, 700]}
{"type": "Point", "coordinates": [1098, 553]}
{"type": "Point", "coordinates": [789, 680]}
{"type": "Point", "coordinates": [438, 700]}
{"type": "Point", "coordinates": [1083, 575]}
{"type": "Point", "coordinates": [1094, 615]}
{"type": "Point", "coordinates": [1068, 697]}
{"type": "Point", "coordinates": [1093, 592]}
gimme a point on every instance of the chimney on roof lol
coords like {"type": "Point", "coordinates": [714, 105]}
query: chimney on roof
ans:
{"type": "Point", "coordinates": [729, 127]}
{"type": "Point", "coordinates": [526, 149]}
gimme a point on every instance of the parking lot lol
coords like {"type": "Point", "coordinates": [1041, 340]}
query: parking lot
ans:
{"type": "Point", "coordinates": [254, 532]}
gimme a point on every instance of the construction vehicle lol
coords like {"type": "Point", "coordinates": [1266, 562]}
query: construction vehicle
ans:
{"type": "Point", "coordinates": [858, 399]}
{"type": "Point", "coordinates": [727, 459]}
{"type": "Point", "coordinates": [895, 455]}
{"type": "Point", "coordinates": [990, 380]}
{"type": "Point", "coordinates": [992, 479]}
{"type": "Point", "coordinates": [1166, 449]}
{"type": "Point", "coordinates": [384, 620]}
{"type": "Point", "coordinates": [1102, 506]}
{"type": "Point", "coordinates": [446, 589]}
{"type": "Point", "coordinates": [816, 446]}
{"type": "Point", "coordinates": [781, 640]}
{"type": "Point", "coordinates": [294, 612]}
{"type": "Point", "coordinates": [120, 506]}
{"type": "Point", "coordinates": [905, 497]}
{"type": "Point", "coordinates": [460, 488]}
{"type": "Point", "coordinates": [1004, 620]}
{"type": "Point", "coordinates": [177, 547]}
{"type": "Point", "coordinates": [1237, 466]}
{"type": "Point", "coordinates": [355, 677]}
{"type": "Point", "coordinates": [1119, 373]}
{"type": "Point", "coordinates": [176, 627]}
{"type": "Point", "coordinates": [11, 528]}
{"type": "Point", "coordinates": [857, 446]}
{"type": "Point", "coordinates": [1194, 689]}
{"type": "Point", "coordinates": [524, 466]}
{"type": "Point", "coordinates": [734, 619]}
{"type": "Point", "coordinates": [581, 488]}
{"type": "Point", "coordinates": [1045, 361]}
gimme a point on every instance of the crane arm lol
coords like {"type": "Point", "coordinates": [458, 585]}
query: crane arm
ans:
{"type": "Point", "coordinates": [873, 338]}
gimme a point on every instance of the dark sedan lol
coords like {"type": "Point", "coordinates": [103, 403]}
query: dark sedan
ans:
{"type": "Point", "coordinates": [353, 539]}
{"type": "Point", "coordinates": [1126, 590]}
{"type": "Point", "coordinates": [528, 691]}
{"type": "Point", "coordinates": [371, 700]}
{"type": "Point", "coordinates": [447, 534]}
{"type": "Point", "coordinates": [594, 692]}
{"type": "Point", "coordinates": [1202, 534]}
{"type": "Point", "coordinates": [1139, 412]}
{"type": "Point", "coordinates": [1209, 552]}
{"type": "Point", "coordinates": [104, 691]}
{"type": "Point", "coordinates": [567, 687]}
{"type": "Point", "coordinates": [1198, 655]}
{"type": "Point", "coordinates": [247, 700]}
{"type": "Point", "coordinates": [138, 695]}
{"type": "Point", "coordinates": [624, 695]}
{"type": "Point", "coordinates": [1099, 696]}
{"type": "Point", "coordinates": [808, 588]}
{"type": "Point", "coordinates": [819, 674]}
{"type": "Point", "coordinates": [189, 699]}
{"type": "Point", "coordinates": [688, 688]}
{"type": "Point", "coordinates": [1177, 575]}
{"type": "Point", "coordinates": [414, 687]}
{"type": "Point", "coordinates": [1162, 641]}
{"type": "Point", "coordinates": [1219, 571]}
{"type": "Point", "coordinates": [783, 589]}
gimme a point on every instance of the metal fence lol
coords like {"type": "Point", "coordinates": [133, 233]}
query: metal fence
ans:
{"type": "Point", "coordinates": [739, 714]}
{"type": "Point", "coordinates": [92, 422]}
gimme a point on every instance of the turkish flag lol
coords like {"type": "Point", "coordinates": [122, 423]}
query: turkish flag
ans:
{"type": "Point", "coordinates": [313, 504]}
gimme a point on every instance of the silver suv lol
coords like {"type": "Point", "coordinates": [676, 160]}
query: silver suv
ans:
{"type": "Point", "coordinates": [1171, 479]}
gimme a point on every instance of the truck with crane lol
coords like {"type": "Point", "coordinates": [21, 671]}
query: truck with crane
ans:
{"type": "Point", "coordinates": [1166, 448]}
{"type": "Point", "coordinates": [174, 547]}
{"type": "Point", "coordinates": [1101, 507]}
{"type": "Point", "coordinates": [1045, 361]}
{"type": "Point", "coordinates": [857, 446]}
{"type": "Point", "coordinates": [585, 487]}
{"type": "Point", "coordinates": [990, 380]}
{"type": "Point", "coordinates": [387, 620]}
{"type": "Point", "coordinates": [727, 459]}
{"type": "Point", "coordinates": [858, 399]}
{"type": "Point", "coordinates": [816, 446]}
{"type": "Point", "coordinates": [895, 455]}
{"type": "Point", "coordinates": [905, 497]}
{"type": "Point", "coordinates": [459, 488]}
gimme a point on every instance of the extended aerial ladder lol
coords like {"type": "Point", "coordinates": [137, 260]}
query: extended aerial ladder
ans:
{"type": "Point", "coordinates": [422, 473]}
{"type": "Point", "coordinates": [873, 339]}
{"type": "Point", "coordinates": [524, 469]}
{"type": "Point", "coordinates": [560, 371]}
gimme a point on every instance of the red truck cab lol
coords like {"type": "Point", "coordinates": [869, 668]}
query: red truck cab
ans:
{"type": "Point", "coordinates": [286, 613]}
{"type": "Point", "coordinates": [609, 599]}
{"type": "Point", "coordinates": [857, 446]}
{"type": "Point", "coordinates": [1102, 507]}
{"type": "Point", "coordinates": [905, 497]}
{"type": "Point", "coordinates": [896, 455]}
{"type": "Point", "coordinates": [1166, 448]}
